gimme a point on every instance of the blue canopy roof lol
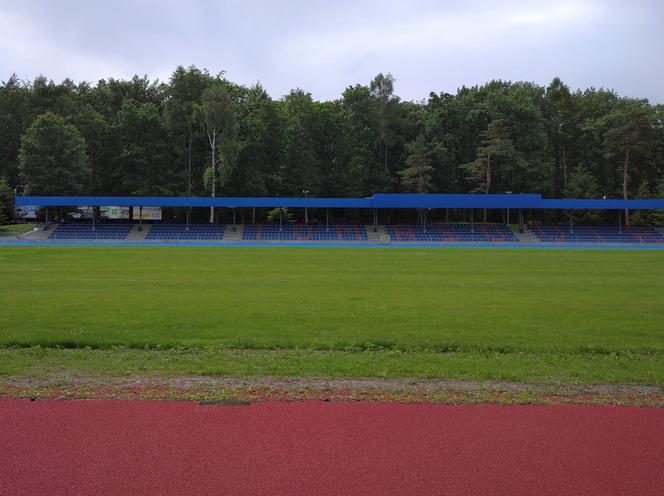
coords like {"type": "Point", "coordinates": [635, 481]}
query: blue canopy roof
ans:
{"type": "Point", "coordinates": [526, 201]}
{"type": "Point", "coordinates": [191, 201]}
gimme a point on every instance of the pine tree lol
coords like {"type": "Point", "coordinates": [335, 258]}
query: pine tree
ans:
{"type": "Point", "coordinates": [417, 176]}
{"type": "Point", "coordinates": [6, 202]}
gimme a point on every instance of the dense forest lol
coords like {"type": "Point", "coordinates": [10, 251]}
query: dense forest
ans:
{"type": "Point", "coordinates": [202, 134]}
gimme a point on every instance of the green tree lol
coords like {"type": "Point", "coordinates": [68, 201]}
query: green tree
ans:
{"type": "Point", "coordinates": [629, 131]}
{"type": "Point", "coordinates": [657, 216]}
{"type": "Point", "coordinates": [560, 112]}
{"type": "Point", "coordinates": [643, 217]}
{"type": "Point", "coordinates": [496, 145]}
{"type": "Point", "coordinates": [14, 120]}
{"type": "Point", "coordinates": [582, 184]}
{"type": "Point", "coordinates": [301, 166]}
{"type": "Point", "coordinates": [185, 91]}
{"type": "Point", "coordinates": [216, 116]}
{"type": "Point", "coordinates": [145, 160]}
{"type": "Point", "coordinates": [417, 176]}
{"type": "Point", "coordinates": [6, 202]}
{"type": "Point", "coordinates": [52, 157]}
{"type": "Point", "coordinates": [362, 170]}
{"type": "Point", "coordinates": [386, 112]}
{"type": "Point", "coordinates": [262, 137]}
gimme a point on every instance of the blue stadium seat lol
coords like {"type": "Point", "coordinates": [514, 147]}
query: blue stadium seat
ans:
{"type": "Point", "coordinates": [597, 234]}
{"type": "Point", "coordinates": [302, 232]}
{"type": "Point", "coordinates": [83, 231]}
{"type": "Point", "coordinates": [484, 233]}
{"type": "Point", "coordinates": [178, 232]}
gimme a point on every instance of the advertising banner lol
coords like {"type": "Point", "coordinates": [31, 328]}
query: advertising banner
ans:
{"type": "Point", "coordinates": [149, 213]}
{"type": "Point", "coordinates": [26, 212]}
{"type": "Point", "coordinates": [114, 212]}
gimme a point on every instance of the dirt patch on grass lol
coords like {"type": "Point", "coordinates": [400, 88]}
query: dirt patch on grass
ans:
{"type": "Point", "coordinates": [220, 390]}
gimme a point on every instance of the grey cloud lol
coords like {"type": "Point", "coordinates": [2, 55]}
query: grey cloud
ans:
{"type": "Point", "coordinates": [325, 46]}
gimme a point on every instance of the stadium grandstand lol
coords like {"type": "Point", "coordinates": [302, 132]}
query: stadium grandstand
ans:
{"type": "Point", "coordinates": [524, 210]}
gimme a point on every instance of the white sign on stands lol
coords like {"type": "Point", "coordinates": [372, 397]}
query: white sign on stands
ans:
{"type": "Point", "coordinates": [149, 213]}
{"type": "Point", "coordinates": [82, 212]}
{"type": "Point", "coordinates": [114, 212]}
{"type": "Point", "coordinates": [26, 212]}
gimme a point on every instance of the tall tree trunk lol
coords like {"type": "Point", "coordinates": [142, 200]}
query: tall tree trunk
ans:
{"type": "Point", "coordinates": [385, 165]}
{"type": "Point", "coordinates": [625, 181]}
{"type": "Point", "coordinates": [564, 169]}
{"type": "Point", "coordinates": [189, 175]}
{"type": "Point", "coordinates": [488, 180]}
{"type": "Point", "coordinates": [213, 146]}
{"type": "Point", "coordinates": [189, 147]}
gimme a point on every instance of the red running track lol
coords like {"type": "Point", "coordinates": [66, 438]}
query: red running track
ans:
{"type": "Point", "coordinates": [317, 448]}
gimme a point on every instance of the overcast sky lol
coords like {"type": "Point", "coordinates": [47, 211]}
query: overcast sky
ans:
{"type": "Point", "coordinates": [324, 46]}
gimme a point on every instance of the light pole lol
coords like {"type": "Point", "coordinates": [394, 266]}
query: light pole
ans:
{"type": "Point", "coordinates": [508, 209]}
{"type": "Point", "coordinates": [306, 213]}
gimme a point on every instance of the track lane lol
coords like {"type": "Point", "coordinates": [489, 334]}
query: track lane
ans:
{"type": "Point", "coordinates": [149, 447]}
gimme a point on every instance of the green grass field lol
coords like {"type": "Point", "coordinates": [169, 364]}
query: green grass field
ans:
{"type": "Point", "coordinates": [14, 229]}
{"type": "Point", "coordinates": [581, 316]}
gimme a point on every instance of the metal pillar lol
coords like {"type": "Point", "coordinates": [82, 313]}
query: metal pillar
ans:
{"type": "Point", "coordinates": [327, 219]}
{"type": "Point", "coordinates": [46, 218]}
{"type": "Point", "coordinates": [280, 218]}
{"type": "Point", "coordinates": [619, 222]}
{"type": "Point", "coordinates": [306, 212]}
{"type": "Point", "coordinates": [571, 223]}
{"type": "Point", "coordinates": [186, 228]}
{"type": "Point", "coordinates": [140, 218]}
{"type": "Point", "coordinates": [472, 218]}
{"type": "Point", "coordinates": [253, 215]}
{"type": "Point", "coordinates": [93, 219]}
{"type": "Point", "coordinates": [233, 215]}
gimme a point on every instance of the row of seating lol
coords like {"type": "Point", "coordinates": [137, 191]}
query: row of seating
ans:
{"type": "Point", "coordinates": [302, 232]}
{"type": "Point", "coordinates": [341, 232]}
{"type": "Point", "coordinates": [597, 234]}
{"type": "Point", "coordinates": [488, 233]}
{"type": "Point", "coordinates": [101, 230]}
{"type": "Point", "coordinates": [180, 232]}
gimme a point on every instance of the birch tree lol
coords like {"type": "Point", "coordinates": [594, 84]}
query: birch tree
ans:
{"type": "Point", "coordinates": [216, 117]}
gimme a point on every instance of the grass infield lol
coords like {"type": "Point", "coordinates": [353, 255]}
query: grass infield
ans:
{"type": "Point", "coordinates": [578, 316]}
{"type": "Point", "coordinates": [15, 229]}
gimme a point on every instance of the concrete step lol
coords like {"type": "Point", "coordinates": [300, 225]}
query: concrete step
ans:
{"type": "Point", "coordinates": [39, 234]}
{"type": "Point", "coordinates": [233, 232]}
{"type": "Point", "coordinates": [138, 235]}
{"type": "Point", "coordinates": [526, 237]}
{"type": "Point", "coordinates": [377, 235]}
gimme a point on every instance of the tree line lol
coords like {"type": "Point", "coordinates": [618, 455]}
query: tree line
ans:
{"type": "Point", "coordinates": [202, 134]}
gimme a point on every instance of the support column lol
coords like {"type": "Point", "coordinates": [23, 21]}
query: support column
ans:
{"type": "Point", "coordinates": [571, 222]}
{"type": "Point", "coordinates": [472, 220]}
{"type": "Point", "coordinates": [619, 222]}
{"type": "Point", "coordinates": [187, 221]}
{"type": "Point", "coordinates": [281, 210]}
{"type": "Point", "coordinates": [45, 218]}
{"type": "Point", "coordinates": [327, 219]}
{"type": "Point", "coordinates": [140, 218]}
{"type": "Point", "coordinates": [93, 218]}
